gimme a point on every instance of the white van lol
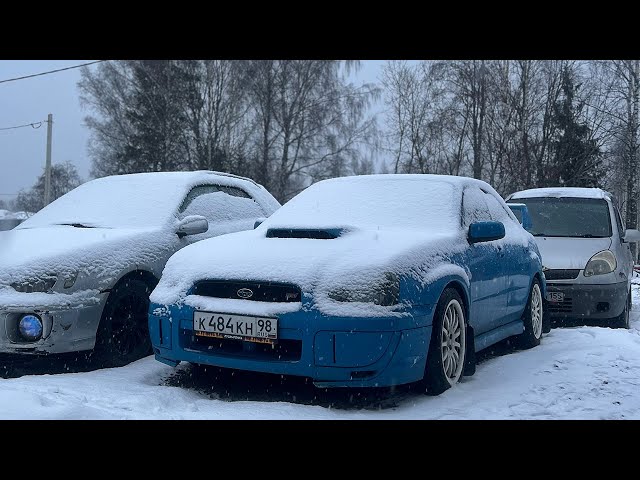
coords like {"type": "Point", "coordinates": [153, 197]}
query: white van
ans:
{"type": "Point", "coordinates": [585, 252]}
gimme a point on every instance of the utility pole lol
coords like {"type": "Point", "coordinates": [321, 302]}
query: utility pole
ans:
{"type": "Point", "coordinates": [47, 168]}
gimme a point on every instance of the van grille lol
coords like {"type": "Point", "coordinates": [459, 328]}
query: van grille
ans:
{"type": "Point", "coordinates": [561, 274]}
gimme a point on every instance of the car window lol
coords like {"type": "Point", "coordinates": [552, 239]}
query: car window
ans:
{"type": "Point", "coordinates": [220, 203]}
{"type": "Point", "coordinates": [498, 212]}
{"type": "Point", "coordinates": [474, 206]}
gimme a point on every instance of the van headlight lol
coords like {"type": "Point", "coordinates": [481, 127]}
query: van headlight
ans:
{"type": "Point", "coordinates": [385, 293]}
{"type": "Point", "coordinates": [601, 263]}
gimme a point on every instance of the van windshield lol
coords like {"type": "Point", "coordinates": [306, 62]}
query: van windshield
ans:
{"type": "Point", "coordinates": [568, 217]}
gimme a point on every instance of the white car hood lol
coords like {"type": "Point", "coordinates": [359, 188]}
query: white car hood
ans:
{"type": "Point", "coordinates": [569, 253]}
{"type": "Point", "coordinates": [353, 259]}
{"type": "Point", "coordinates": [100, 252]}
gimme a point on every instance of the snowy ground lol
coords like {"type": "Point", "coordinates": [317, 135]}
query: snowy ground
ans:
{"type": "Point", "coordinates": [576, 373]}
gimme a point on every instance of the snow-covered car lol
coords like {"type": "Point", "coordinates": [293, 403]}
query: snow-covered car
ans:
{"type": "Point", "coordinates": [360, 281]}
{"type": "Point", "coordinates": [585, 252]}
{"type": "Point", "coordinates": [78, 274]}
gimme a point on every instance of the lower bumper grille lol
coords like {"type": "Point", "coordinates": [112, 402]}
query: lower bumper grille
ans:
{"type": "Point", "coordinates": [284, 350]}
{"type": "Point", "coordinates": [566, 306]}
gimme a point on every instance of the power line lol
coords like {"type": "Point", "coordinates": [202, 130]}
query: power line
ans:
{"type": "Point", "coordinates": [32, 125]}
{"type": "Point", "coordinates": [51, 71]}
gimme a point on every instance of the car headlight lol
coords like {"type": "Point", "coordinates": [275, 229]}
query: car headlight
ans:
{"type": "Point", "coordinates": [42, 284]}
{"type": "Point", "coordinates": [601, 263]}
{"type": "Point", "coordinates": [386, 293]}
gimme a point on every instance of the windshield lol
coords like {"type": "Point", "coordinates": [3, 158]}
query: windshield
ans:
{"type": "Point", "coordinates": [113, 202]}
{"type": "Point", "coordinates": [568, 217]}
{"type": "Point", "coordinates": [379, 202]}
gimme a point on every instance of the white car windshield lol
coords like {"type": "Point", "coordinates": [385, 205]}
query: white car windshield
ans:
{"type": "Point", "coordinates": [373, 202]}
{"type": "Point", "coordinates": [568, 217]}
{"type": "Point", "coordinates": [113, 202]}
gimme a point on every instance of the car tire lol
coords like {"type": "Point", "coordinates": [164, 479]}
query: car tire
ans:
{"type": "Point", "coordinates": [533, 318]}
{"type": "Point", "coordinates": [623, 320]}
{"type": "Point", "coordinates": [123, 333]}
{"type": "Point", "coordinates": [447, 348]}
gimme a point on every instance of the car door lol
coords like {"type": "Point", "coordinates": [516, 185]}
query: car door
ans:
{"type": "Point", "coordinates": [515, 261]}
{"type": "Point", "coordinates": [487, 277]}
{"type": "Point", "coordinates": [227, 209]}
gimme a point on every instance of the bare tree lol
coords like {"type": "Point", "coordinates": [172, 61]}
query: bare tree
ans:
{"type": "Point", "coordinates": [64, 178]}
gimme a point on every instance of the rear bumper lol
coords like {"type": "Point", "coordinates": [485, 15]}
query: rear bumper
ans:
{"type": "Point", "coordinates": [332, 351]}
{"type": "Point", "coordinates": [588, 301]}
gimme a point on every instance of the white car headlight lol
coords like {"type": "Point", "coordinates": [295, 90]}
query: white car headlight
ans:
{"type": "Point", "coordinates": [601, 263]}
{"type": "Point", "coordinates": [386, 293]}
{"type": "Point", "coordinates": [35, 285]}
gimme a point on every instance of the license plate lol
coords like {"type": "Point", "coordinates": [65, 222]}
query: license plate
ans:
{"type": "Point", "coordinates": [236, 327]}
{"type": "Point", "coordinates": [555, 296]}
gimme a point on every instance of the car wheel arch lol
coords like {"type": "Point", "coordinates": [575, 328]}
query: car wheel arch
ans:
{"type": "Point", "coordinates": [140, 274]}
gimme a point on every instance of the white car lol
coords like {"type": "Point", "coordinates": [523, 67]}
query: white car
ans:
{"type": "Point", "coordinates": [78, 274]}
{"type": "Point", "coordinates": [585, 252]}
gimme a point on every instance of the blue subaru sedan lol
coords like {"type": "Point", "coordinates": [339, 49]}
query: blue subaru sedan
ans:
{"type": "Point", "coordinates": [375, 280]}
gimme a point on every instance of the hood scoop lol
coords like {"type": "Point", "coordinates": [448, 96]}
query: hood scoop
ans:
{"type": "Point", "coordinates": [316, 234]}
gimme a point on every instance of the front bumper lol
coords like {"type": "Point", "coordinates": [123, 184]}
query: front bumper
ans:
{"type": "Point", "coordinates": [332, 351]}
{"type": "Point", "coordinates": [67, 327]}
{"type": "Point", "coordinates": [588, 301]}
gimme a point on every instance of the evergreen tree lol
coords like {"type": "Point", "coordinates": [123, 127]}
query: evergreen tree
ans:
{"type": "Point", "coordinates": [576, 155]}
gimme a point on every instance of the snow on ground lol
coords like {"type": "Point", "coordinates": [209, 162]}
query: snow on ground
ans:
{"type": "Point", "coordinates": [576, 373]}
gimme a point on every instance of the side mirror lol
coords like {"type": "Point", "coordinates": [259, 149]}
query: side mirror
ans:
{"type": "Point", "coordinates": [485, 231]}
{"type": "Point", "coordinates": [192, 225]}
{"type": "Point", "coordinates": [631, 235]}
{"type": "Point", "coordinates": [258, 222]}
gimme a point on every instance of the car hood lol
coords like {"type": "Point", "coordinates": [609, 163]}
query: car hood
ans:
{"type": "Point", "coordinates": [353, 259]}
{"type": "Point", "coordinates": [100, 252]}
{"type": "Point", "coordinates": [569, 253]}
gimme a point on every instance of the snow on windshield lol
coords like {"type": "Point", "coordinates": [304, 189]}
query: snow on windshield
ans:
{"type": "Point", "coordinates": [575, 192]}
{"type": "Point", "coordinates": [397, 201]}
{"type": "Point", "coordinates": [124, 201]}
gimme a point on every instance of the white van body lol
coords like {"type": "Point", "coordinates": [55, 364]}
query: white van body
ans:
{"type": "Point", "coordinates": [585, 252]}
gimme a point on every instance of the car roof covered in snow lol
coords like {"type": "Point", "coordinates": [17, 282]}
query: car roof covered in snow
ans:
{"type": "Point", "coordinates": [561, 192]}
{"type": "Point", "coordinates": [135, 199]}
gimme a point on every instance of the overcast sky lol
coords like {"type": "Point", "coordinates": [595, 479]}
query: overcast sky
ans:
{"type": "Point", "coordinates": [22, 151]}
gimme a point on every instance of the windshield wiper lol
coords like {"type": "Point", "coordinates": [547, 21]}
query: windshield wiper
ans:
{"type": "Point", "coordinates": [76, 225]}
{"type": "Point", "coordinates": [589, 235]}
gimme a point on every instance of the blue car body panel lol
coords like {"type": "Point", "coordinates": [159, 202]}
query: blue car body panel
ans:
{"type": "Point", "coordinates": [350, 352]}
